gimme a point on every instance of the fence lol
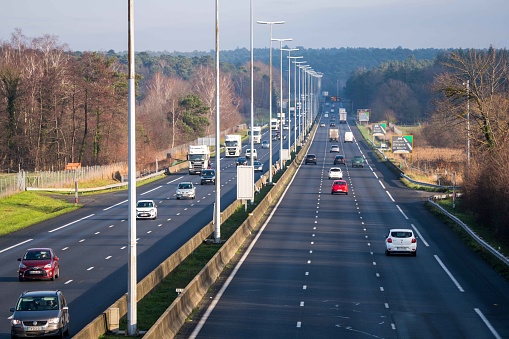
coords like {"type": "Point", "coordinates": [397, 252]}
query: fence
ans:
{"type": "Point", "coordinates": [18, 182]}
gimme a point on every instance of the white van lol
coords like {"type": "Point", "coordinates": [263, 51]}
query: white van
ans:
{"type": "Point", "coordinates": [348, 137]}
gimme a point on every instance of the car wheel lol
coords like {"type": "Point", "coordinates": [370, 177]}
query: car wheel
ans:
{"type": "Point", "coordinates": [414, 254]}
{"type": "Point", "coordinates": [178, 198]}
{"type": "Point", "coordinates": [67, 330]}
{"type": "Point", "coordinates": [53, 276]}
{"type": "Point", "coordinates": [20, 278]}
{"type": "Point", "coordinates": [387, 253]}
{"type": "Point", "coordinates": [57, 274]}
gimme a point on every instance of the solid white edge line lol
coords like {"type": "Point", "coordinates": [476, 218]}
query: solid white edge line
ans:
{"type": "Point", "coordinates": [449, 274]}
{"type": "Point", "coordinates": [75, 221]}
{"type": "Point", "coordinates": [216, 299]}
{"type": "Point", "coordinates": [487, 323]}
{"type": "Point", "coordinates": [13, 246]}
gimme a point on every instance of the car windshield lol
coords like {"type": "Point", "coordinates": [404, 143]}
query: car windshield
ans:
{"type": "Point", "coordinates": [145, 204]}
{"type": "Point", "coordinates": [335, 170]}
{"type": "Point", "coordinates": [43, 303]}
{"type": "Point", "coordinates": [37, 255]}
{"type": "Point", "coordinates": [208, 172]}
{"type": "Point", "coordinates": [339, 183]}
{"type": "Point", "coordinates": [185, 186]}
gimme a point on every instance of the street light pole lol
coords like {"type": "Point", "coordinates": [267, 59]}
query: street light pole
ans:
{"type": "Point", "coordinates": [281, 120]}
{"type": "Point", "coordinates": [270, 23]}
{"type": "Point", "coordinates": [289, 50]}
{"type": "Point", "coordinates": [468, 122]}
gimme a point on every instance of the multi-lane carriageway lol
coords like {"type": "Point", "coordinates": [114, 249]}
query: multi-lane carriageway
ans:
{"type": "Point", "coordinates": [317, 269]}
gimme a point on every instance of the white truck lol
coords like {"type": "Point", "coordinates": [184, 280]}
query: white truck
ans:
{"type": "Point", "coordinates": [257, 134]}
{"type": "Point", "coordinates": [274, 124]}
{"type": "Point", "coordinates": [198, 158]}
{"type": "Point", "coordinates": [348, 137]}
{"type": "Point", "coordinates": [342, 115]}
{"type": "Point", "coordinates": [333, 134]}
{"type": "Point", "coordinates": [233, 145]}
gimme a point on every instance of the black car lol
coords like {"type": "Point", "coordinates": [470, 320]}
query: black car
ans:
{"type": "Point", "coordinates": [310, 159]}
{"type": "Point", "coordinates": [40, 314]}
{"type": "Point", "coordinates": [208, 177]}
{"type": "Point", "coordinates": [241, 161]}
{"type": "Point", "coordinates": [339, 160]}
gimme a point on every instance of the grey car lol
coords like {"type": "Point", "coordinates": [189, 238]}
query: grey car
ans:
{"type": "Point", "coordinates": [40, 314]}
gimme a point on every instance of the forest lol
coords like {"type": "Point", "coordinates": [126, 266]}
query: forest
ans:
{"type": "Point", "coordinates": [59, 106]}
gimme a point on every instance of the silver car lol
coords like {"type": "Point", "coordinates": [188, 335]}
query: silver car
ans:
{"type": "Point", "coordinates": [40, 314]}
{"type": "Point", "coordinates": [186, 189]}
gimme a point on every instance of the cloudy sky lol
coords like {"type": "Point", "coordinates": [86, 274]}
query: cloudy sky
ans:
{"type": "Point", "coordinates": [189, 25]}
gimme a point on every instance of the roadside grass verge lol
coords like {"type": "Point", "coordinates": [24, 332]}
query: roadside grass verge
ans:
{"type": "Point", "coordinates": [24, 209]}
{"type": "Point", "coordinates": [469, 219]}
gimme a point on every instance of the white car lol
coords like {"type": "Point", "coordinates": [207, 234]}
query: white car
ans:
{"type": "Point", "coordinates": [186, 189]}
{"type": "Point", "coordinates": [146, 209]}
{"type": "Point", "coordinates": [248, 153]}
{"type": "Point", "coordinates": [265, 144]}
{"type": "Point", "coordinates": [400, 240]}
{"type": "Point", "coordinates": [335, 173]}
{"type": "Point", "coordinates": [334, 148]}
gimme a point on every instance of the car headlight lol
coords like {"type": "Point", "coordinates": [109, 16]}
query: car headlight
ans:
{"type": "Point", "coordinates": [47, 265]}
{"type": "Point", "coordinates": [21, 265]}
{"type": "Point", "coordinates": [15, 322]}
{"type": "Point", "coordinates": [53, 320]}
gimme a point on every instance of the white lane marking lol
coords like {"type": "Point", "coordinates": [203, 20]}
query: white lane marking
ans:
{"type": "Point", "coordinates": [108, 257]}
{"type": "Point", "coordinates": [487, 323]}
{"type": "Point", "coordinates": [390, 196]}
{"type": "Point", "coordinates": [96, 233]}
{"type": "Point", "coordinates": [68, 282]}
{"type": "Point", "coordinates": [65, 248]}
{"type": "Point", "coordinates": [82, 240]}
{"type": "Point", "coordinates": [401, 211]}
{"type": "Point", "coordinates": [449, 274]}
{"type": "Point", "coordinates": [376, 176]}
{"type": "Point", "coordinates": [170, 182]}
{"type": "Point", "coordinates": [380, 181]}
{"type": "Point", "coordinates": [90, 268]}
{"type": "Point", "coordinates": [304, 287]}
{"type": "Point", "coordinates": [420, 236]}
{"type": "Point", "coordinates": [69, 224]}
{"type": "Point", "coordinates": [301, 303]}
{"type": "Point", "coordinates": [156, 188]}
{"type": "Point", "coordinates": [386, 305]}
{"type": "Point", "coordinates": [18, 244]}
{"type": "Point", "coordinates": [120, 203]}
{"type": "Point", "coordinates": [123, 247]}
{"type": "Point", "coordinates": [299, 324]}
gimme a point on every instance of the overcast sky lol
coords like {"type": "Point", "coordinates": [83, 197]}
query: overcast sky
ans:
{"type": "Point", "coordinates": [189, 25]}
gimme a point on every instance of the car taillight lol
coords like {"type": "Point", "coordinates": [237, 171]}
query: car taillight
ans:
{"type": "Point", "coordinates": [389, 240]}
{"type": "Point", "coordinates": [414, 240]}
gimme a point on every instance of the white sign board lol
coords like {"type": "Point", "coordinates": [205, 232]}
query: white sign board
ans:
{"type": "Point", "coordinates": [245, 182]}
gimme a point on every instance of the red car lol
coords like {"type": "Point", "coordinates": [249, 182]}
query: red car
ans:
{"type": "Point", "coordinates": [39, 263]}
{"type": "Point", "coordinates": [339, 186]}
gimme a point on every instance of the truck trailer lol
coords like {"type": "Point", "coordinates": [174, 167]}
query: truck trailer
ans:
{"type": "Point", "coordinates": [333, 134]}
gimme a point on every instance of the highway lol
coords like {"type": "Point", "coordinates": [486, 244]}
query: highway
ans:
{"type": "Point", "coordinates": [92, 242]}
{"type": "Point", "coordinates": [317, 268]}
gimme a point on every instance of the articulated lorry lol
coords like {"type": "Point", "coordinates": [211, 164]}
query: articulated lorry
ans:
{"type": "Point", "coordinates": [198, 158]}
{"type": "Point", "coordinates": [233, 145]}
{"type": "Point", "coordinates": [333, 134]}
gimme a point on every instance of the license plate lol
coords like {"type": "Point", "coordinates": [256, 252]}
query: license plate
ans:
{"type": "Point", "coordinates": [34, 328]}
{"type": "Point", "coordinates": [35, 272]}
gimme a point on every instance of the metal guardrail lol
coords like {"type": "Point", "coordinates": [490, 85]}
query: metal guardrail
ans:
{"type": "Point", "coordinates": [474, 236]}
{"type": "Point", "coordinates": [460, 223]}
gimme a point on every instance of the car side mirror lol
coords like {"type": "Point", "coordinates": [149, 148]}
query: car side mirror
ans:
{"type": "Point", "coordinates": [19, 259]}
{"type": "Point", "coordinates": [12, 309]}
{"type": "Point", "coordinates": [55, 258]}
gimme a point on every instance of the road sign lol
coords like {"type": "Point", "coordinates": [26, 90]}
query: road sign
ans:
{"type": "Point", "coordinates": [402, 143]}
{"type": "Point", "coordinates": [363, 115]}
{"type": "Point", "coordinates": [378, 129]}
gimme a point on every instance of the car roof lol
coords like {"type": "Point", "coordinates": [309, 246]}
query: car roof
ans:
{"type": "Point", "coordinates": [400, 230]}
{"type": "Point", "coordinates": [146, 200]}
{"type": "Point", "coordinates": [39, 293]}
{"type": "Point", "coordinates": [338, 182]}
{"type": "Point", "coordinates": [335, 169]}
{"type": "Point", "coordinates": [185, 182]}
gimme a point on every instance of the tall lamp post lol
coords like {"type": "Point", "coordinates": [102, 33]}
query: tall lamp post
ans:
{"type": "Point", "coordinates": [281, 120]}
{"type": "Point", "coordinates": [298, 98]}
{"type": "Point", "coordinates": [295, 63]}
{"type": "Point", "coordinates": [290, 50]}
{"type": "Point", "coordinates": [270, 23]}
{"type": "Point", "coordinates": [302, 95]}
